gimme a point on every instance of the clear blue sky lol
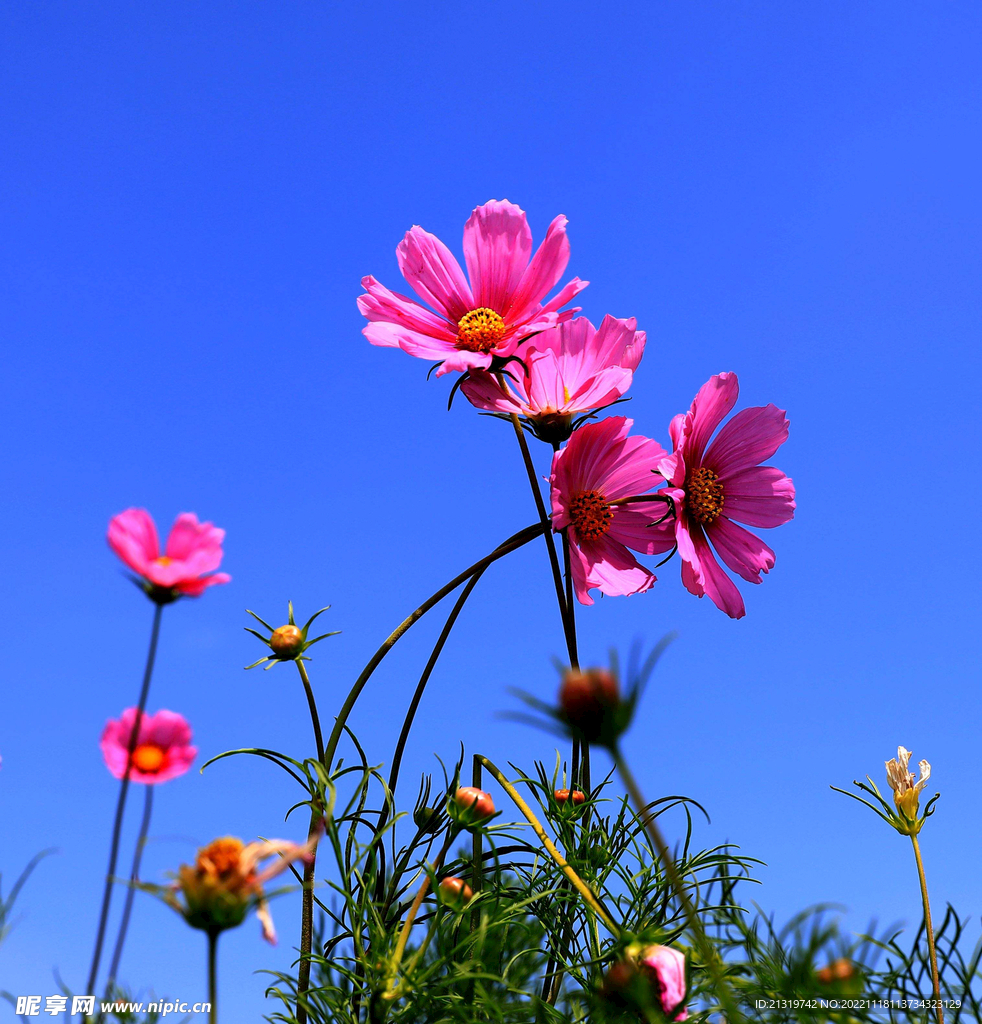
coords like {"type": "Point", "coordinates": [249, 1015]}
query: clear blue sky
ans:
{"type": "Point", "coordinates": [190, 194]}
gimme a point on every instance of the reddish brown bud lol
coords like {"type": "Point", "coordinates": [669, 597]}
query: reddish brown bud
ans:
{"type": "Point", "coordinates": [472, 805]}
{"type": "Point", "coordinates": [455, 892]}
{"type": "Point", "coordinates": [838, 970]}
{"type": "Point", "coordinates": [587, 698]}
{"type": "Point", "coordinates": [563, 796]}
{"type": "Point", "coordinates": [286, 642]}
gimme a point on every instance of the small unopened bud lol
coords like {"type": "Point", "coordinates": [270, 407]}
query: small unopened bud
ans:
{"type": "Point", "coordinates": [564, 797]}
{"type": "Point", "coordinates": [428, 819]}
{"type": "Point", "coordinates": [587, 698]}
{"type": "Point", "coordinates": [838, 970]}
{"type": "Point", "coordinates": [455, 893]}
{"type": "Point", "coordinates": [471, 806]}
{"type": "Point", "coordinates": [286, 642]}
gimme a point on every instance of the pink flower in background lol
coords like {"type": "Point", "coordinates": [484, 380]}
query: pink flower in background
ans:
{"type": "Point", "coordinates": [666, 969]}
{"type": "Point", "coordinates": [186, 568]}
{"type": "Point", "coordinates": [601, 464]}
{"type": "Point", "coordinates": [482, 315]}
{"type": "Point", "coordinates": [572, 369]}
{"type": "Point", "coordinates": [163, 746]}
{"type": "Point", "coordinates": [715, 484]}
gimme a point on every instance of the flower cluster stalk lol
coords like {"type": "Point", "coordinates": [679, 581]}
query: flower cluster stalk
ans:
{"type": "Point", "coordinates": [929, 928]}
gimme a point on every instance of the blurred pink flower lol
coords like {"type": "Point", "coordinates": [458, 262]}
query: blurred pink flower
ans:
{"type": "Point", "coordinates": [666, 969]}
{"type": "Point", "coordinates": [601, 464]}
{"type": "Point", "coordinates": [485, 316]}
{"type": "Point", "coordinates": [193, 552]}
{"type": "Point", "coordinates": [708, 480]}
{"type": "Point", "coordinates": [572, 369]}
{"type": "Point", "coordinates": [163, 747]}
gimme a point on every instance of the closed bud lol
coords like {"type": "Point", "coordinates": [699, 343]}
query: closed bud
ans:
{"type": "Point", "coordinates": [588, 699]}
{"type": "Point", "coordinates": [838, 970]}
{"type": "Point", "coordinates": [471, 806]}
{"type": "Point", "coordinates": [455, 893]}
{"type": "Point", "coordinates": [564, 797]}
{"type": "Point", "coordinates": [428, 819]}
{"type": "Point", "coordinates": [287, 641]}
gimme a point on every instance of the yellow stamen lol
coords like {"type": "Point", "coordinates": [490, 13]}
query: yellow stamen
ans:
{"type": "Point", "coordinates": [148, 757]}
{"type": "Point", "coordinates": [704, 495]}
{"type": "Point", "coordinates": [590, 514]}
{"type": "Point", "coordinates": [480, 330]}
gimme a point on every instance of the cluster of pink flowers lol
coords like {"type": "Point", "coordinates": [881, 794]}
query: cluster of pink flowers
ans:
{"type": "Point", "coordinates": [525, 356]}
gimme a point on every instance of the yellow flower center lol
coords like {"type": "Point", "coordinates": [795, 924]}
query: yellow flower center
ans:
{"type": "Point", "coordinates": [704, 495]}
{"type": "Point", "coordinates": [590, 514]}
{"type": "Point", "coordinates": [148, 757]}
{"type": "Point", "coordinates": [163, 560]}
{"type": "Point", "coordinates": [480, 330]}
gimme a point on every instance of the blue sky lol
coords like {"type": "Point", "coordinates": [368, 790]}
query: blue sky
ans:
{"type": "Point", "coordinates": [190, 195]}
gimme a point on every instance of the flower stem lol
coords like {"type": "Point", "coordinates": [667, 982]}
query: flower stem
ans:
{"type": "Point", "coordinates": [581, 886]}
{"type": "Point", "coordinates": [929, 928]}
{"type": "Point", "coordinates": [706, 950]}
{"type": "Point", "coordinates": [513, 542]}
{"type": "Point", "coordinates": [307, 899]}
{"type": "Point", "coordinates": [213, 977]}
{"type": "Point", "coordinates": [131, 892]}
{"type": "Point", "coordinates": [121, 801]}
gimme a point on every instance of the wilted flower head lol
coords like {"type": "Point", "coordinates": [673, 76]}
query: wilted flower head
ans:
{"type": "Point", "coordinates": [485, 314]}
{"type": "Point", "coordinates": [163, 746]}
{"type": "Point", "coordinates": [906, 790]}
{"type": "Point", "coordinates": [565, 372]}
{"type": "Point", "coordinates": [185, 569]}
{"type": "Point", "coordinates": [225, 882]}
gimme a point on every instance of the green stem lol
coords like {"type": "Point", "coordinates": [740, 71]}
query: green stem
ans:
{"type": "Point", "coordinates": [314, 717]}
{"type": "Point", "coordinates": [121, 800]}
{"type": "Point", "coordinates": [213, 977]}
{"type": "Point", "coordinates": [929, 927]}
{"type": "Point", "coordinates": [705, 947]}
{"type": "Point", "coordinates": [513, 542]}
{"type": "Point", "coordinates": [124, 924]}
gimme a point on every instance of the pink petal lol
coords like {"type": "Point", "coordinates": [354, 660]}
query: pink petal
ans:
{"type": "Point", "coordinates": [378, 303]}
{"type": "Point", "coordinates": [702, 574]}
{"type": "Point", "coordinates": [611, 568]}
{"type": "Point", "coordinates": [619, 343]}
{"type": "Point", "coordinates": [543, 272]}
{"type": "Point", "coordinates": [567, 293]}
{"type": "Point", "coordinates": [484, 392]}
{"type": "Point", "coordinates": [190, 539]}
{"type": "Point", "coordinates": [497, 247]}
{"type": "Point", "coordinates": [133, 537]}
{"type": "Point", "coordinates": [746, 554]}
{"type": "Point", "coordinates": [760, 496]}
{"type": "Point", "coordinates": [715, 399]}
{"type": "Point", "coordinates": [751, 437]}
{"type": "Point", "coordinates": [196, 587]}
{"type": "Point", "coordinates": [434, 274]}
{"type": "Point", "coordinates": [637, 527]}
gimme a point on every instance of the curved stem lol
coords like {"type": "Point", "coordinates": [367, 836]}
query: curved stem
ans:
{"type": "Point", "coordinates": [121, 800]}
{"type": "Point", "coordinates": [307, 920]}
{"type": "Point", "coordinates": [581, 886]}
{"type": "Point", "coordinates": [314, 717]}
{"type": "Point", "coordinates": [929, 928]}
{"type": "Point", "coordinates": [708, 953]}
{"type": "Point", "coordinates": [124, 924]}
{"type": "Point", "coordinates": [213, 977]}
{"type": "Point", "coordinates": [513, 542]}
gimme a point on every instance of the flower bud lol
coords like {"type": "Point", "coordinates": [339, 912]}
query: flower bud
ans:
{"type": "Point", "coordinates": [652, 977]}
{"type": "Point", "coordinates": [455, 893]}
{"type": "Point", "coordinates": [587, 698]}
{"type": "Point", "coordinates": [838, 970]}
{"type": "Point", "coordinates": [564, 797]}
{"type": "Point", "coordinates": [428, 819]}
{"type": "Point", "coordinates": [287, 641]}
{"type": "Point", "coordinates": [471, 806]}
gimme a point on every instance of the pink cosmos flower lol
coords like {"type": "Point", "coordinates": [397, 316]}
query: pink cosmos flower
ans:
{"type": "Point", "coordinates": [715, 484]}
{"type": "Point", "coordinates": [186, 569]}
{"type": "Point", "coordinates": [598, 466]}
{"type": "Point", "coordinates": [485, 316]}
{"type": "Point", "coordinates": [666, 969]}
{"type": "Point", "coordinates": [571, 369]}
{"type": "Point", "coordinates": [163, 746]}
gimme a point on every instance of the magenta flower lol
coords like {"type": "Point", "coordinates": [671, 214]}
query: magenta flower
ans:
{"type": "Point", "coordinates": [186, 569]}
{"type": "Point", "coordinates": [571, 369]}
{"type": "Point", "coordinates": [163, 746]}
{"type": "Point", "coordinates": [666, 969]}
{"type": "Point", "coordinates": [715, 484]}
{"type": "Point", "coordinates": [598, 466]}
{"type": "Point", "coordinates": [485, 316]}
